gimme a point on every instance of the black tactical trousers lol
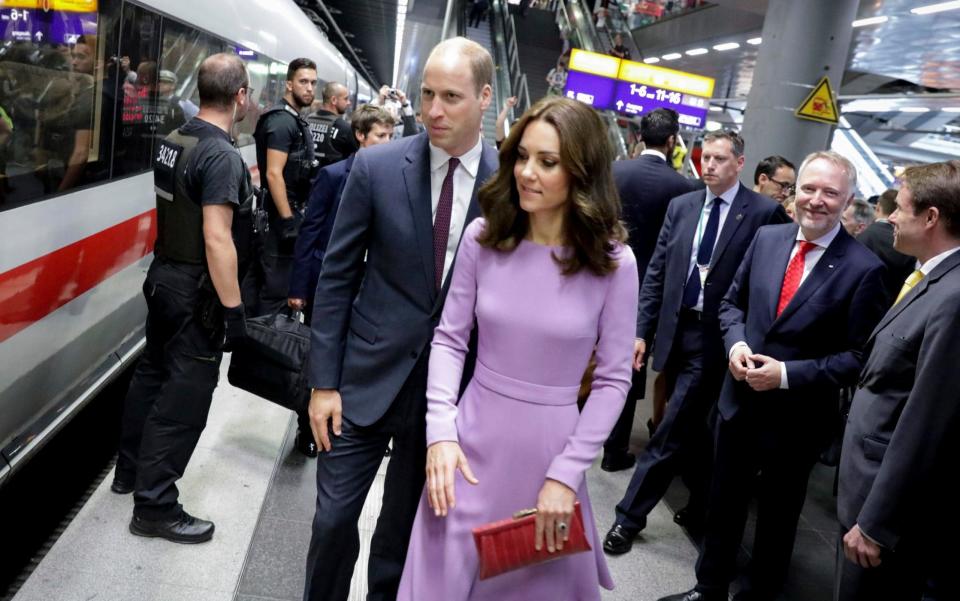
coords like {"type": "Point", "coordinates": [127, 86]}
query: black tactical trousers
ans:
{"type": "Point", "coordinates": [169, 397]}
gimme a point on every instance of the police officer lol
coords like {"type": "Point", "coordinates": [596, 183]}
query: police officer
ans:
{"type": "Point", "coordinates": [332, 135]}
{"type": "Point", "coordinates": [285, 155]}
{"type": "Point", "coordinates": [193, 301]}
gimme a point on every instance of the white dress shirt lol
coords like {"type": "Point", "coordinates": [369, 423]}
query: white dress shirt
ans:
{"type": "Point", "coordinates": [932, 262]}
{"type": "Point", "coordinates": [809, 262]}
{"type": "Point", "coordinates": [726, 200]}
{"type": "Point", "coordinates": [464, 179]}
{"type": "Point", "coordinates": [653, 152]}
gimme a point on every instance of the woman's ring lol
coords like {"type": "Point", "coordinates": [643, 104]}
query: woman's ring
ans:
{"type": "Point", "coordinates": [562, 526]}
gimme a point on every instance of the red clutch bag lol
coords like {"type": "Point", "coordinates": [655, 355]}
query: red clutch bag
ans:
{"type": "Point", "coordinates": [508, 544]}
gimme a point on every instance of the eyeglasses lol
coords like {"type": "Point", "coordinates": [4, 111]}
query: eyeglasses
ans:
{"type": "Point", "coordinates": [785, 186]}
{"type": "Point", "coordinates": [248, 89]}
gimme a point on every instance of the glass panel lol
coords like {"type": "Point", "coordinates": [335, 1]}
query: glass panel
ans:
{"type": "Point", "coordinates": [57, 79]}
{"type": "Point", "coordinates": [268, 80]}
{"type": "Point", "coordinates": [183, 51]}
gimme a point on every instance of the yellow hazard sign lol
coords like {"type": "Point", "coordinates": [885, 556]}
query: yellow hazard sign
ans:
{"type": "Point", "coordinates": [819, 105]}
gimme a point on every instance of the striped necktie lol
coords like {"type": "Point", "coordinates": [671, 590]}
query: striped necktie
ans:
{"type": "Point", "coordinates": [912, 280]}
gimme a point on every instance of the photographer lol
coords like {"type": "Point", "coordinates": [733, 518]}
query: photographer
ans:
{"type": "Point", "coordinates": [396, 103]}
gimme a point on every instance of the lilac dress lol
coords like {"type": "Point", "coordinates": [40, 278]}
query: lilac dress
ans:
{"type": "Point", "coordinates": [518, 422]}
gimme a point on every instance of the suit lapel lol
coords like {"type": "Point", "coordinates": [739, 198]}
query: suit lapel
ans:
{"type": "Point", "coordinates": [822, 271]}
{"type": "Point", "coordinates": [416, 177]}
{"type": "Point", "coordinates": [735, 216]}
{"type": "Point", "coordinates": [687, 229]}
{"type": "Point", "coordinates": [949, 263]}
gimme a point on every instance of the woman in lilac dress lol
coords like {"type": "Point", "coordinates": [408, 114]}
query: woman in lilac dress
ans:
{"type": "Point", "coordinates": [548, 279]}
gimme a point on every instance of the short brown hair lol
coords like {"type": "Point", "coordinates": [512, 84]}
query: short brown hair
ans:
{"type": "Point", "coordinates": [888, 201]}
{"type": "Point", "coordinates": [220, 79]}
{"type": "Point", "coordinates": [481, 63]}
{"type": "Point", "coordinates": [593, 226]}
{"type": "Point", "coordinates": [368, 115]}
{"type": "Point", "coordinates": [936, 185]}
{"type": "Point", "coordinates": [736, 142]}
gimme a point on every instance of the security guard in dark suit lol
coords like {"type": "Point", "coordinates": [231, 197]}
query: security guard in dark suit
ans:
{"type": "Point", "coordinates": [193, 299]}
{"type": "Point", "coordinates": [285, 155]}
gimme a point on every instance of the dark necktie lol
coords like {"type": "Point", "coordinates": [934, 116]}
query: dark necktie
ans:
{"type": "Point", "coordinates": [793, 275]}
{"type": "Point", "coordinates": [691, 292]}
{"type": "Point", "coordinates": [441, 223]}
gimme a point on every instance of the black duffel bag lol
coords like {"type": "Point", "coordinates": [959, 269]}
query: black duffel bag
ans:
{"type": "Point", "coordinates": [271, 362]}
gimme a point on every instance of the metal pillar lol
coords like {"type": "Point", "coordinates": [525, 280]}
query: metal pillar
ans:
{"type": "Point", "coordinates": [802, 42]}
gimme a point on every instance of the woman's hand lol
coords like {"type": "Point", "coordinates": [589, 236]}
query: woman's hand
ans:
{"type": "Point", "coordinates": [554, 511]}
{"type": "Point", "coordinates": [443, 460]}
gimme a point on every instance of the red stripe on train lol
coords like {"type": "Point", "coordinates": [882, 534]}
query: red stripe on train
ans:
{"type": "Point", "coordinates": [33, 290]}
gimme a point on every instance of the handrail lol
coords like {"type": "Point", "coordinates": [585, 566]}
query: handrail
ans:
{"type": "Point", "coordinates": [512, 81]}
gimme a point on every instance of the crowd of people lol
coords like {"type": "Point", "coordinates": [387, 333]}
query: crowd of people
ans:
{"type": "Point", "coordinates": [457, 295]}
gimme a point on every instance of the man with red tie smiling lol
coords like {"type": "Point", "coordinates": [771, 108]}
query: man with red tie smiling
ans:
{"type": "Point", "coordinates": [795, 320]}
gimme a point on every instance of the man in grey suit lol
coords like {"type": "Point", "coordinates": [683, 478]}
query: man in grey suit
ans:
{"type": "Point", "coordinates": [903, 436]}
{"type": "Point", "coordinates": [404, 208]}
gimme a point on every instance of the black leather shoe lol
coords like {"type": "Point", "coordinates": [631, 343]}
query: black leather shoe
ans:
{"type": "Point", "coordinates": [694, 595]}
{"type": "Point", "coordinates": [619, 539]}
{"type": "Point", "coordinates": [184, 528]}
{"type": "Point", "coordinates": [690, 520]}
{"type": "Point", "coordinates": [306, 444]}
{"type": "Point", "coordinates": [121, 486]}
{"type": "Point", "coordinates": [614, 462]}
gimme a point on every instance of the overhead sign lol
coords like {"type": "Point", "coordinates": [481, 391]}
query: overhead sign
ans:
{"type": "Point", "coordinates": [609, 83]}
{"type": "Point", "coordinates": [74, 6]}
{"type": "Point", "coordinates": [819, 105]}
{"type": "Point", "coordinates": [39, 26]}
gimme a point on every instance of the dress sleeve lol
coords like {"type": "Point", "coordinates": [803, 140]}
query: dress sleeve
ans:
{"type": "Point", "coordinates": [611, 379]}
{"type": "Point", "coordinates": [450, 341]}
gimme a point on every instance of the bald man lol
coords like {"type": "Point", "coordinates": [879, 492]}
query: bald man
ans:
{"type": "Point", "coordinates": [331, 132]}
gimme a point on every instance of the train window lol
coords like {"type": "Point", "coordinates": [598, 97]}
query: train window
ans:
{"type": "Point", "coordinates": [268, 80]}
{"type": "Point", "coordinates": [142, 116]}
{"type": "Point", "coordinates": [56, 85]}
{"type": "Point", "coordinates": [184, 49]}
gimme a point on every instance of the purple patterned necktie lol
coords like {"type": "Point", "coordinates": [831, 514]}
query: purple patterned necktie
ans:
{"type": "Point", "coordinates": [441, 223]}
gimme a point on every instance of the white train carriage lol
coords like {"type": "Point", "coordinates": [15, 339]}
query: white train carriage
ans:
{"type": "Point", "coordinates": [86, 89]}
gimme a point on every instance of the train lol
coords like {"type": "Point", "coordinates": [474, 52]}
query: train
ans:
{"type": "Point", "coordinates": [87, 87]}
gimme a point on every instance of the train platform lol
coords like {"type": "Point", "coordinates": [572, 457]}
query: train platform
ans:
{"type": "Point", "coordinates": [247, 477]}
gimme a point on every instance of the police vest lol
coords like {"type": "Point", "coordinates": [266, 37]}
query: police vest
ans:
{"type": "Point", "coordinates": [326, 131]}
{"type": "Point", "coordinates": [301, 163]}
{"type": "Point", "coordinates": [179, 216]}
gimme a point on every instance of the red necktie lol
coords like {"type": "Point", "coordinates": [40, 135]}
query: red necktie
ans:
{"type": "Point", "coordinates": [793, 275]}
{"type": "Point", "coordinates": [441, 223]}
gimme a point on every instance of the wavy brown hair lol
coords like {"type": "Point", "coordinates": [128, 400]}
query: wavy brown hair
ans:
{"type": "Point", "coordinates": [592, 225]}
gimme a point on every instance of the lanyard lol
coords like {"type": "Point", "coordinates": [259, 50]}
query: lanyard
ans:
{"type": "Point", "coordinates": [701, 226]}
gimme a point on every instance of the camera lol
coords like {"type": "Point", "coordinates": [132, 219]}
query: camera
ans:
{"type": "Point", "coordinates": [393, 94]}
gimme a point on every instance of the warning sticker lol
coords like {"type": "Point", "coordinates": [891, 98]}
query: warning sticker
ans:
{"type": "Point", "coordinates": [819, 105]}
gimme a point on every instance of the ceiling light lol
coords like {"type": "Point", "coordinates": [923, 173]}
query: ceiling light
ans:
{"type": "Point", "coordinates": [672, 56]}
{"type": "Point", "coordinates": [870, 21]}
{"type": "Point", "coordinates": [913, 109]}
{"type": "Point", "coordinates": [754, 41]}
{"type": "Point", "coordinates": [715, 109]}
{"type": "Point", "coordinates": [713, 126]}
{"type": "Point", "coordinates": [727, 46]}
{"type": "Point", "coordinates": [697, 51]}
{"type": "Point", "coordinates": [651, 60]}
{"type": "Point", "coordinates": [951, 109]}
{"type": "Point", "coordinates": [935, 8]}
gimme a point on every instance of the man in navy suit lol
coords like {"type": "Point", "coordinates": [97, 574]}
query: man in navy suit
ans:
{"type": "Point", "coordinates": [703, 238]}
{"type": "Point", "coordinates": [404, 208]}
{"type": "Point", "coordinates": [795, 321]}
{"type": "Point", "coordinates": [896, 502]}
{"type": "Point", "coordinates": [371, 125]}
{"type": "Point", "coordinates": [646, 185]}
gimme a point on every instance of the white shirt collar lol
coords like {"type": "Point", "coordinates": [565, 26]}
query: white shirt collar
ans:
{"type": "Point", "coordinates": [727, 195]}
{"type": "Point", "coordinates": [932, 262]}
{"type": "Point", "coordinates": [653, 152]}
{"type": "Point", "coordinates": [824, 240]}
{"type": "Point", "coordinates": [470, 160]}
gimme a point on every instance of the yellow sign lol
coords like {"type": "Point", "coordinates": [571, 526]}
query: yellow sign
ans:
{"type": "Point", "coordinates": [819, 105]}
{"type": "Point", "coordinates": [658, 77]}
{"type": "Point", "coordinates": [80, 6]}
{"type": "Point", "coordinates": [595, 63]}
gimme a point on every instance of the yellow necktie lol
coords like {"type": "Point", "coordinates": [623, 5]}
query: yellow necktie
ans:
{"type": "Point", "coordinates": [912, 280]}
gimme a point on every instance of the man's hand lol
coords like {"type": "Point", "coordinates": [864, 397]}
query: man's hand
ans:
{"type": "Point", "coordinates": [297, 304]}
{"type": "Point", "coordinates": [443, 460]}
{"type": "Point", "coordinates": [740, 362]}
{"type": "Point", "coordinates": [861, 550]}
{"type": "Point", "coordinates": [765, 377]}
{"type": "Point", "coordinates": [554, 507]}
{"type": "Point", "coordinates": [639, 350]}
{"type": "Point", "coordinates": [325, 405]}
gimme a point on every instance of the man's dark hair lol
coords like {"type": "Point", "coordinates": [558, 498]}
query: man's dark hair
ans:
{"type": "Point", "coordinates": [368, 115]}
{"type": "Point", "coordinates": [888, 202]}
{"type": "Point", "coordinates": [221, 77]}
{"type": "Point", "coordinates": [297, 64]}
{"type": "Point", "coordinates": [936, 185]}
{"type": "Point", "coordinates": [769, 166]}
{"type": "Point", "coordinates": [736, 142]}
{"type": "Point", "coordinates": [657, 126]}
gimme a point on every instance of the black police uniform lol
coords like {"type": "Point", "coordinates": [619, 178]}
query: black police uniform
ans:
{"type": "Point", "coordinates": [172, 388]}
{"type": "Point", "coordinates": [332, 137]}
{"type": "Point", "coordinates": [281, 128]}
